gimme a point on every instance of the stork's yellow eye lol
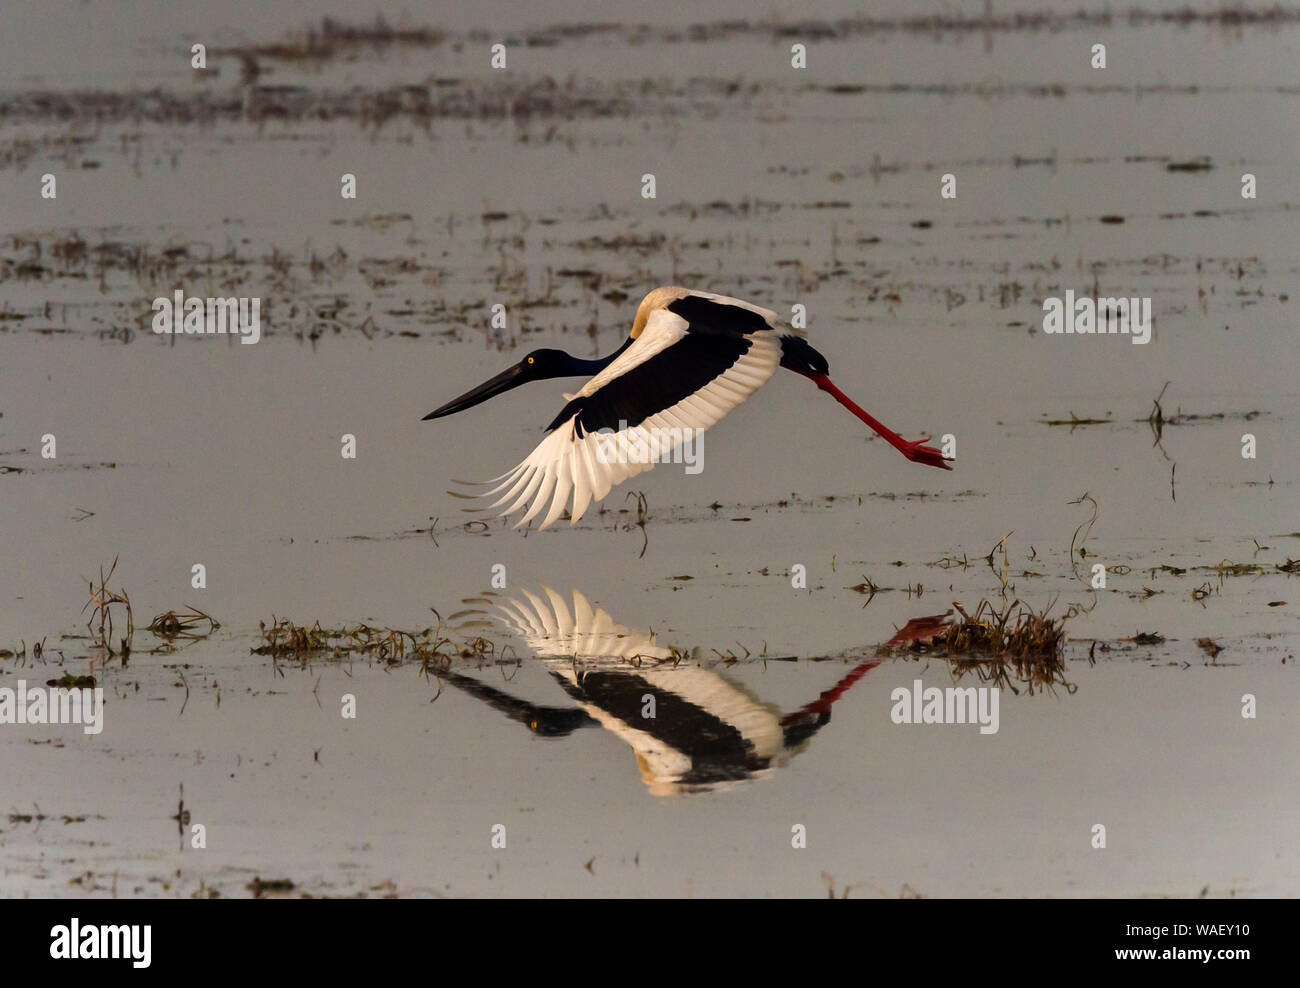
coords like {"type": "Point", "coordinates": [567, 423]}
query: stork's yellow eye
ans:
{"type": "Point", "coordinates": [530, 360]}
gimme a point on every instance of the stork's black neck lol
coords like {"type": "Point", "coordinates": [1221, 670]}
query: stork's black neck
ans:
{"type": "Point", "coordinates": [572, 366]}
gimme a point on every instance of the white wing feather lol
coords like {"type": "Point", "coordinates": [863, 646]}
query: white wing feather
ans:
{"type": "Point", "coordinates": [564, 465]}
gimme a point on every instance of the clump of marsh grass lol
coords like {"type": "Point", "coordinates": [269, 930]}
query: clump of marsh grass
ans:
{"type": "Point", "coordinates": [104, 601]}
{"type": "Point", "coordinates": [430, 647]}
{"type": "Point", "coordinates": [183, 625]}
{"type": "Point", "coordinates": [1015, 631]}
{"type": "Point", "coordinates": [262, 887]}
{"type": "Point", "coordinates": [999, 645]}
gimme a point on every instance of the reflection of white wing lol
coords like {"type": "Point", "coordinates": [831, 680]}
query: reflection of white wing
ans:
{"type": "Point", "coordinates": [550, 630]}
{"type": "Point", "coordinates": [707, 733]}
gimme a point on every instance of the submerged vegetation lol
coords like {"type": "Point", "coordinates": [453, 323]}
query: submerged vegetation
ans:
{"type": "Point", "coordinates": [1013, 631]}
{"type": "Point", "coordinates": [999, 645]}
{"type": "Point", "coordinates": [997, 642]}
{"type": "Point", "coordinates": [104, 602]}
{"type": "Point", "coordinates": [430, 647]}
{"type": "Point", "coordinates": [184, 625]}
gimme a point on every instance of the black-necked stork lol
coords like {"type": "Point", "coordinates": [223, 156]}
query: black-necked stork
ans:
{"type": "Point", "coordinates": [709, 733]}
{"type": "Point", "coordinates": [691, 357]}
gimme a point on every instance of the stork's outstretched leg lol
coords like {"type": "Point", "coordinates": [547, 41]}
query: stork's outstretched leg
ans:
{"type": "Point", "coordinates": [823, 703]}
{"type": "Point", "coordinates": [915, 451]}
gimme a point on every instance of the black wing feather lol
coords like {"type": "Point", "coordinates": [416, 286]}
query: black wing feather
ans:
{"type": "Point", "coordinates": [707, 316]}
{"type": "Point", "coordinates": [658, 383]}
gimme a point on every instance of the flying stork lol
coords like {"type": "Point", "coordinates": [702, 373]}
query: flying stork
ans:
{"type": "Point", "coordinates": [691, 357]}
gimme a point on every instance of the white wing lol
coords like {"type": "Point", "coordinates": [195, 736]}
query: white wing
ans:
{"type": "Point", "coordinates": [551, 630]}
{"type": "Point", "coordinates": [587, 467]}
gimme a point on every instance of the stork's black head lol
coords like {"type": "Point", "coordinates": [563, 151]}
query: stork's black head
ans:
{"type": "Point", "coordinates": [557, 722]}
{"type": "Point", "coordinates": [536, 366]}
{"type": "Point", "coordinates": [797, 355]}
{"type": "Point", "coordinates": [542, 364]}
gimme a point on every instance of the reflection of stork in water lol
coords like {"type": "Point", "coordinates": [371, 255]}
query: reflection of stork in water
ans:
{"type": "Point", "coordinates": [707, 731]}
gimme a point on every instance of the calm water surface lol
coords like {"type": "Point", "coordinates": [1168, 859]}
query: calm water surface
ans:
{"type": "Point", "coordinates": [816, 187]}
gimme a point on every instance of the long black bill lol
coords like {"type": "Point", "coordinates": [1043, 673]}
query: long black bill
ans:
{"type": "Point", "coordinates": [504, 381]}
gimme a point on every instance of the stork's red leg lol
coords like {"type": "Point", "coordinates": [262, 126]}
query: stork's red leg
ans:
{"type": "Point", "coordinates": [822, 705]}
{"type": "Point", "coordinates": [916, 451]}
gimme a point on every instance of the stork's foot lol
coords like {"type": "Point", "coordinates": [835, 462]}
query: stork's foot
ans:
{"type": "Point", "coordinates": [918, 452]}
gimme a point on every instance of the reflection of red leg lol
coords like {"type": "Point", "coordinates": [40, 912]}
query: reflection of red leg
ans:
{"type": "Point", "coordinates": [921, 629]}
{"type": "Point", "coordinates": [916, 451]}
{"type": "Point", "coordinates": [822, 705]}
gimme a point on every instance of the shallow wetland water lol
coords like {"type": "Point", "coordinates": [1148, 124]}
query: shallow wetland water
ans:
{"type": "Point", "coordinates": [816, 187]}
